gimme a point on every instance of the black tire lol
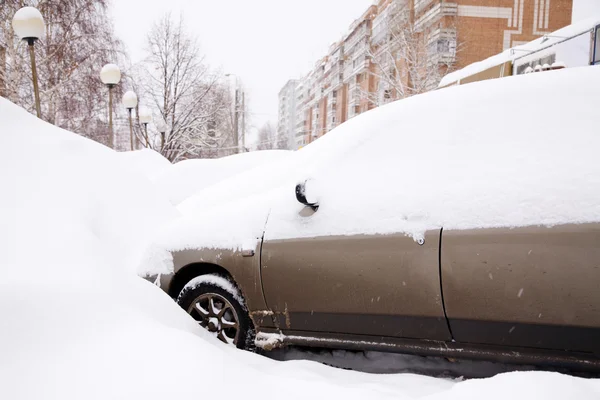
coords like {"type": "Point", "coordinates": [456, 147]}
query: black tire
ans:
{"type": "Point", "coordinates": [202, 288]}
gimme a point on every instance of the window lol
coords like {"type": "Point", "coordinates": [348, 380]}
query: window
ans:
{"type": "Point", "coordinates": [441, 46]}
{"type": "Point", "coordinates": [596, 59]}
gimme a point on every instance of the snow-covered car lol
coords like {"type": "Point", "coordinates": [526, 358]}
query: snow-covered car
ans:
{"type": "Point", "coordinates": [464, 222]}
{"type": "Point", "coordinates": [187, 177]}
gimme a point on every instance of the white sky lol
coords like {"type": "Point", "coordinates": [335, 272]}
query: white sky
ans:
{"type": "Point", "coordinates": [585, 8]}
{"type": "Point", "coordinates": [263, 42]}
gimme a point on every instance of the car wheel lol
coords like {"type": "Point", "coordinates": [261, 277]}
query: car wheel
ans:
{"type": "Point", "coordinates": [218, 306]}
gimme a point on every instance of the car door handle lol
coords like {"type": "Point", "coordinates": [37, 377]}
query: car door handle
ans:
{"type": "Point", "coordinates": [248, 253]}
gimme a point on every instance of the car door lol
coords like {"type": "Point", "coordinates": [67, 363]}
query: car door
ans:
{"type": "Point", "coordinates": [526, 287]}
{"type": "Point", "coordinates": [366, 262]}
{"type": "Point", "coordinates": [377, 285]}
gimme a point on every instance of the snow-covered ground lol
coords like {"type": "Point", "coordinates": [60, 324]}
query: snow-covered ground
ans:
{"type": "Point", "coordinates": [77, 323]}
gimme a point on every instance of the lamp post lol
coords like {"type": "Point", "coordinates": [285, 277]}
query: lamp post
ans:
{"type": "Point", "coordinates": [110, 76]}
{"type": "Point", "coordinates": [161, 125]}
{"type": "Point", "coordinates": [28, 24]}
{"type": "Point", "coordinates": [236, 115]}
{"type": "Point", "coordinates": [145, 119]}
{"type": "Point", "coordinates": [130, 102]}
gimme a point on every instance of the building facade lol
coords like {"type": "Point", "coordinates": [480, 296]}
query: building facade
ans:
{"type": "Point", "coordinates": [398, 48]}
{"type": "Point", "coordinates": [286, 123]}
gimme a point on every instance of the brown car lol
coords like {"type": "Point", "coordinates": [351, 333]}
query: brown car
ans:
{"type": "Point", "coordinates": [498, 289]}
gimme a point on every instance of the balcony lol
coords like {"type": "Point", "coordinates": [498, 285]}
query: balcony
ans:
{"type": "Point", "coordinates": [435, 14]}
{"type": "Point", "coordinates": [441, 47]}
{"type": "Point", "coordinates": [360, 65]}
{"type": "Point", "coordinates": [421, 4]}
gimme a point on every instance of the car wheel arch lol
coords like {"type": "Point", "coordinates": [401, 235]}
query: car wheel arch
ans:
{"type": "Point", "coordinates": [188, 272]}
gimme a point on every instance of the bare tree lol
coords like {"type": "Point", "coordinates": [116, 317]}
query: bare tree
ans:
{"type": "Point", "coordinates": [409, 60]}
{"type": "Point", "coordinates": [78, 41]}
{"type": "Point", "coordinates": [189, 97]}
{"type": "Point", "coordinates": [268, 138]}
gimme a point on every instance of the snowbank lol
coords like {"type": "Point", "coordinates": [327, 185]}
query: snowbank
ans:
{"type": "Point", "coordinates": [147, 162]}
{"type": "Point", "coordinates": [190, 176]}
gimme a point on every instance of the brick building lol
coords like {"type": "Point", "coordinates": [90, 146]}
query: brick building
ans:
{"type": "Point", "coordinates": [398, 48]}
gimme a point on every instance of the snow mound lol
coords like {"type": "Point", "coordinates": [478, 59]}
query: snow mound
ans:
{"type": "Point", "coordinates": [190, 176]}
{"type": "Point", "coordinates": [147, 162]}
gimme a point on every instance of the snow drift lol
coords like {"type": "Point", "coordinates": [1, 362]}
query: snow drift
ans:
{"type": "Point", "coordinates": [187, 177]}
{"type": "Point", "coordinates": [147, 162]}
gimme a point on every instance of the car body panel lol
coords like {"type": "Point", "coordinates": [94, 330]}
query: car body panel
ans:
{"type": "Point", "coordinates": [526, 287]}
{"type": "Point", "coordinates": [382, 285]}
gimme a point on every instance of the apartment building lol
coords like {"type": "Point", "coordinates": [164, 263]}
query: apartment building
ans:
{"type": "Point", "coordinates": [286, 123]}
{"type": "Point", "coordinates": [398, 48]}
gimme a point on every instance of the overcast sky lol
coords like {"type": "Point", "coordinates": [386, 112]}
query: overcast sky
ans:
{"type": "Point", "coordinates": [585, 8]}
{"type": "Point", "coordinates": [264, 42]}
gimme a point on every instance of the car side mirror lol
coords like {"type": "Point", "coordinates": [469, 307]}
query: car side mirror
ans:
{"type": "Point", "coordinates": [306, 195]}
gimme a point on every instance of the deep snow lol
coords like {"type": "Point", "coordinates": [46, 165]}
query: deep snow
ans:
{"type": "Point", "coordinates": [147, 162]}
{"type": "Point", "coordinates": [77, 323]}
{"type": "Point", "coordinates": [188, 177]}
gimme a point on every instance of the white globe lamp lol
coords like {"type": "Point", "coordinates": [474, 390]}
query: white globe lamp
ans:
{"type": "Point", "coordinates": [28, 24]}
{"type": "Point", "coordinates": [130, 101]}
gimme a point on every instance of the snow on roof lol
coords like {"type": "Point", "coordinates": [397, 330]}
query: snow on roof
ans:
{"type": "Point", "coordinates": [520, 51]}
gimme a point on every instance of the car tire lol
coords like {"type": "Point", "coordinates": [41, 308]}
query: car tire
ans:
{"type": "Point", "coordinates": [218, 306]}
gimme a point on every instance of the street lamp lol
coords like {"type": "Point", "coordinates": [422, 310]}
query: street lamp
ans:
{"type": "Point", "coordinates": [28, 24]}
{"type": "Point", "coordinates": [236, 117]}
{"type": "Point", "coordinates": [161, 125]}
{"type": "Point", "coordinates": [110, 76]}
{"type": "Point", "coordinates": [145, 118]}
{"type": "Point", "coordinates": [130, 102]}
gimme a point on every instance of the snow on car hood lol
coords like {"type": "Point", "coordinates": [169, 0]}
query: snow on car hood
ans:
{"type": "Point", "coordinates": [236, 225]}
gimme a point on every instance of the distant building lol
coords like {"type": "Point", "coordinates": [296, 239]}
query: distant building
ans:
{"type": "Point", "coordinates": [286, 122]}
{"type": "Point", "coordinates": [371, 66]}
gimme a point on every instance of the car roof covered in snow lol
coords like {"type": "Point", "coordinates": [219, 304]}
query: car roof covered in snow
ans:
{"type": "Point", "coordinates": [502, 153]}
